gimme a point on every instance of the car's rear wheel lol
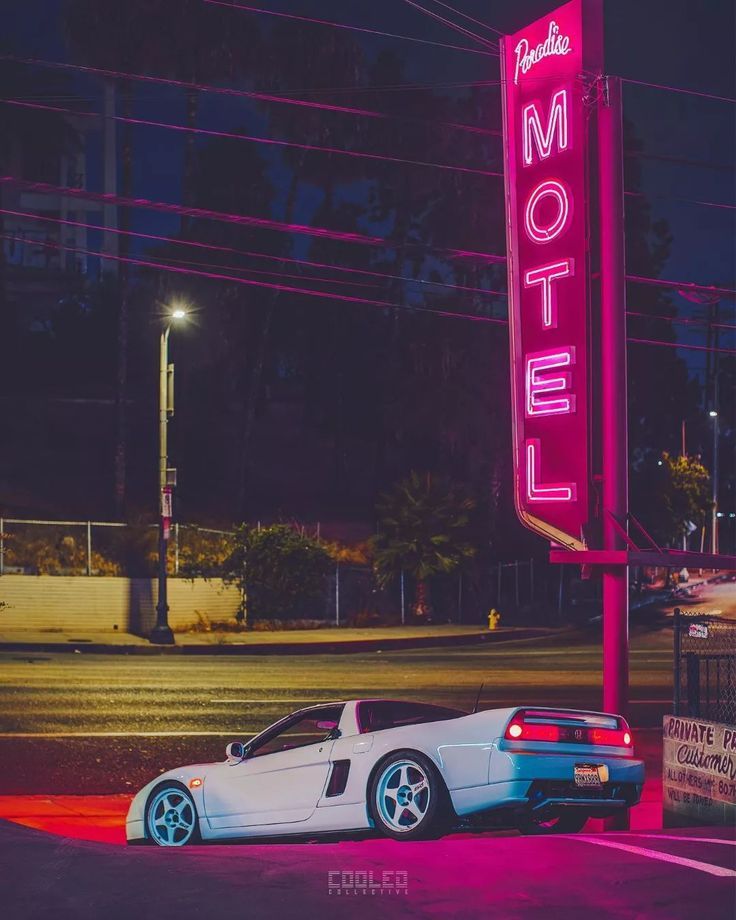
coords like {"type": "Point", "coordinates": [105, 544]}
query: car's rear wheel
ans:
{"type": "Point", "coordinates": [408, 799]}
{"type": "Point", "coordinates": [171, 817]}
{"type": "Point", "coordinates": [560, 821]}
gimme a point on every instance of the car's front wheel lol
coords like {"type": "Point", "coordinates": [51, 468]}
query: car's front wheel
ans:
{"type": "Point", "coordinates": [171, 817]}
{"type": "Point", "coordinates": [562, 821]}
{"type": "Point", "coordinates": [408, 799]}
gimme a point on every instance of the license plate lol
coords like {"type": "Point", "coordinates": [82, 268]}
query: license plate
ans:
{"type": "Point", "coordinates": [588, 775]}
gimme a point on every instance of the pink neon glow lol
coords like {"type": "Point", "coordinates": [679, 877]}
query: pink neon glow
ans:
{"type": "Point", "coordinates": [538, 383]}
{"type": "Point", "coordinates": [555, 190]}
{"type": "Point", "coordinates": [544, 276]}
{"type": "Point", "coordinates": [558, 492]}
{"type": "Point", "coordinates": [554, 44]}
{"type": "Point", "coordinates": [268, 141]}
{"type": "Point", "coordinates": [531, 127]}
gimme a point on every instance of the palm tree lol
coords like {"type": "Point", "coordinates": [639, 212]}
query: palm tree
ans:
{"type": "Point", "coordinates": [424, 530]}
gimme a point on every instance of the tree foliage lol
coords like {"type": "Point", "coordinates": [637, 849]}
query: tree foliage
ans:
{"type": "Point", "coordinates": [672, 494]}
{"type": "Point", "coordinates": [281, 572]}
{"type": "Point", "coordinates": [424, 529]}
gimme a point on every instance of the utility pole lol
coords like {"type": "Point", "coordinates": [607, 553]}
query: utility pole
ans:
{"type": "Point", "coordinates": [613, 393]}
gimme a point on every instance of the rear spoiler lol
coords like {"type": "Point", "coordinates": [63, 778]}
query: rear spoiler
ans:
{"type": "Point", "coordinates": [569, 726]}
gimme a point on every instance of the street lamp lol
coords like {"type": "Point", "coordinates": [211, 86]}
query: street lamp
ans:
{"type": "Point", "coordinates": [161, 632]}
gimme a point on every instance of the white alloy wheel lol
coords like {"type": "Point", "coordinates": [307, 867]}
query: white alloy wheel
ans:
{"type": "Point", "coordinates": [171, 818]}
{"type": "Point", "coordinates": [403, 796]}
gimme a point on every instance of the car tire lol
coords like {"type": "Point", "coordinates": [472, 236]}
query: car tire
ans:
{"type": "Point", "coordinates": [408, 798]}
{"type": "Point", "coordinates": [171, 816]}
{"type": "Point", "coordinates": [563, 821]}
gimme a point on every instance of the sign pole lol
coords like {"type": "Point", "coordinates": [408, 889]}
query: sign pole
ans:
{"type": "Point", "coordinates": [613, 394]}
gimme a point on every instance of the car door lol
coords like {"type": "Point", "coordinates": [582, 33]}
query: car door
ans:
{"type": "Point", "coordinates": [282, 778]}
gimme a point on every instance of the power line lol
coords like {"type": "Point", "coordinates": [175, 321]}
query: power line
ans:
{"type": "Point", "coordinates": [724, 351]}
{"type": "Point", "coordinates": [280, 226]}
{"type": "Point", "coordinates": [328, 295]}
{"type": "Point", "coordinates": [269, 141]}
{"type": "Point", "coordinates": [279, 99]}
{"type": "Point", "coordinates": [679, 161]}
{"type": "Point", "coordinates": [704, 204]}
{"type": "Point", "coordinates": [46, 188]}
{"type": "Point", "coordinates": [314, 148]}
{"type": "Point", "coordinates": [383, 276]}
{"type": "Point", "coordinates": [679, 89]}
{"type": "Point", "coordinates": [341, 25]}
{"type": "Point", "coordinates": [228, 250]}
{"type": "Point", "coordinates": [682, 319]}
{"type": "Point", "coordinates": [452, 25]}
{"type": "Point", "coordinates": [681, 286]}
{"type": "Point", "coordinates": [477, 22]}
{"type": "Point", "coordinates": [289, 289]}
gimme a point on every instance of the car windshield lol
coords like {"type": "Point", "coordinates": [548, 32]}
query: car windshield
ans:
{"type": "Point", "coordinates": [377, 715]}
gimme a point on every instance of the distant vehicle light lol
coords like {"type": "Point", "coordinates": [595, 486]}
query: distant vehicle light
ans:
{"type": "Point", "coordinates": [195, 783]}
{"type": "Point", "coordinates": [627, 739]}
{"type": "Point", "coordinates": [515, 730]}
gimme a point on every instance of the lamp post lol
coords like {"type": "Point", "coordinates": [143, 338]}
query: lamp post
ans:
{"type": "Point", "coordinates": [161, 633]}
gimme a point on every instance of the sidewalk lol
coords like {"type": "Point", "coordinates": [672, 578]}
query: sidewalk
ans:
{"type": "Point", "coordinates": [281, 642]}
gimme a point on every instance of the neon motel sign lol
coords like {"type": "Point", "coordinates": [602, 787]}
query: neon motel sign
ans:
{"type": "Point", "coordinates": [545, 148]}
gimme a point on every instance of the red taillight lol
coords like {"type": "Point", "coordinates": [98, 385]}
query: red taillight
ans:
{"type": "Point", "coordinates": [523, 731]}
{"type": "Point", "coordinates": [519, 729]}
{"type": "Point", "coordinates": [613, 737]}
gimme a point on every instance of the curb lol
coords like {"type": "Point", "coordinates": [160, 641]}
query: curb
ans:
{"type": "Point", "coordinates": [280, 648]}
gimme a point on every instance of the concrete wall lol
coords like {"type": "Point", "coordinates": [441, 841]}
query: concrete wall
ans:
{"type": "Point", "coordinates": [99, 604]}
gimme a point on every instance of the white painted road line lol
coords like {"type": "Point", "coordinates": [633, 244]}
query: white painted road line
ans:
{"type": "Point", "coordinates": [659, 855]}
{"type": "Point", "coordinates": [728, 843]}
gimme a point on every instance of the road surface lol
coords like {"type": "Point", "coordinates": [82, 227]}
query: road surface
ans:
{"type": "Point", "coordinates": [84, 723]}
{"type": "Point", "coordinates": [660, 877]}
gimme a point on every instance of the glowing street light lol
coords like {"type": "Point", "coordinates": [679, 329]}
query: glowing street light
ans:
{"type": "Point", "coordinates": [161, 632]}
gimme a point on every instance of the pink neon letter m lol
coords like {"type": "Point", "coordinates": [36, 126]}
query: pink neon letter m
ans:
{"type": "Point", "coordinates": [531, 125]}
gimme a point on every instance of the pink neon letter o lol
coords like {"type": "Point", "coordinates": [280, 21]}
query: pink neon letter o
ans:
{"type": "Point", "coordinates": [550, 188]}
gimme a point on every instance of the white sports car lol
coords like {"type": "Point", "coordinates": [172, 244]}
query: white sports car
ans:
{"type": "Point", "coordinates": [407, 770]}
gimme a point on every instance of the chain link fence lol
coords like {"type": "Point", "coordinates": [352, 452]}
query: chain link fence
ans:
{"type": "Point", "coordinates": [705, 667]}
{"type": "Point", "coordinates": [94, 548]}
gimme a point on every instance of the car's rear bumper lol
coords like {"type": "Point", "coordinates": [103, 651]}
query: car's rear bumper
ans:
{"type": "Point", "coordinates": [523, 780]}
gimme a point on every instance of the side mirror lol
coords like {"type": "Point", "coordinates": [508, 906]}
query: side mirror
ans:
{"type": "Point", "coordinates": [327, 726]}
{"type": "Point", "coordinates": [235, 751]}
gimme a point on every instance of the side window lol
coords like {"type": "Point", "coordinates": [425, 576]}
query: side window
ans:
{"type": "Point", "coordinates": [310, 728]}
{"type": "Point", "coordinates": [377, 715]}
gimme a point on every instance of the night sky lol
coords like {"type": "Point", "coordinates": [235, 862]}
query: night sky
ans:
{"type": "Point", "coordinates": [684, 43]}
{"type": "Point", "coordinates": [680, 43]}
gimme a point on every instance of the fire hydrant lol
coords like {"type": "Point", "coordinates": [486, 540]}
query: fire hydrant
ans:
{"type": "Point", "coordinates": [494, 618]}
